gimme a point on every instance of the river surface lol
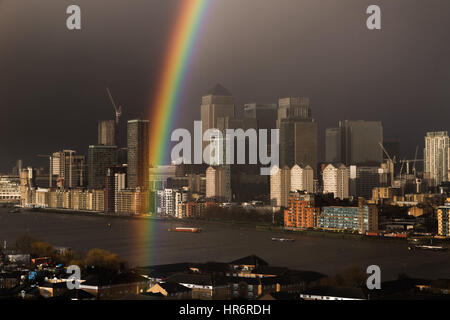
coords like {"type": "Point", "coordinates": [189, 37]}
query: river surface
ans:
{"type": "Point", "coordinates": [146, 242]}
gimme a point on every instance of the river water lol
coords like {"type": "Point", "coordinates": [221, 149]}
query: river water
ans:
{"type": "Point", "coordinates": [146, 242]}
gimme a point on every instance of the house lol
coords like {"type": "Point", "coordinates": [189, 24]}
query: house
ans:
{"type": "Point", "coordinates": [248, 263]}
{"type": "Point", "coordinates": [204, 287]}
{"type": "Point", "coordinates": [253, 288]}
{"type": "Point", "coordinates": [111, 287]}
{"type": "Point", "coordinates": [75, 294]}
{"type": "Point", "coordinates": [160, 273]}
{"type": "Point", "coordinates": [52, 289]}
{"type": "Point", "coordinates": [171, 290]}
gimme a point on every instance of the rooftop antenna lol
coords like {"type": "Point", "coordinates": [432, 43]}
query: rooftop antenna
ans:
{"type": "Point", "coordinates": [117, 110]}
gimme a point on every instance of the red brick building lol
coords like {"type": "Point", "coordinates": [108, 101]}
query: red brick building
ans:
{"type": "Point", "coordinates": [302, 211]}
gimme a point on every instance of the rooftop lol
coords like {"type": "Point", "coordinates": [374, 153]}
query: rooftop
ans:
{"type": "Point", "coordinates": [218, 90]}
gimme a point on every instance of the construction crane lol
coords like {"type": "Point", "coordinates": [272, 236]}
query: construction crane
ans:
{"type": "Point", "coordinates": [117, 109]}
{"type": "Point", "coordinates": [391, 163]}
{"type": "Point", "coordinates": [408, 162]}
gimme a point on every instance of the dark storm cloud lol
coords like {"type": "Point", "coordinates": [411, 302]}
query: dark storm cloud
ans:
{"type": "Point", "coordinates": [52, 81]}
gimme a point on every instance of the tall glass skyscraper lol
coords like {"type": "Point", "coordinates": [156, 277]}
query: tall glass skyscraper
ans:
{"type": "Point", "coordinates": [138, 153]}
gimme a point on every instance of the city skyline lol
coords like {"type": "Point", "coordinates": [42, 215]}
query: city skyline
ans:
{"type": "Point", "coordinates": [406, 91]}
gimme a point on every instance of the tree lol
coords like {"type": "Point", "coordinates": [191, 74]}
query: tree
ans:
{"type": "Point", "coordinates": [23, 243]}
{"type": "Point", "coordinates": [102, 260]}
{"type": "Point", "coordinates": [42, 249]}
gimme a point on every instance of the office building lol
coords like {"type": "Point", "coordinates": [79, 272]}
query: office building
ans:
{"type": "Point", "coordinates": [363, 180]}
{"type": "Point", "coordinates": [265, 114]}
{"type": "Point", "coordinates": [138, 153]}
{"type": "Point", "coordinates": [437, 158]}
{"type": "Point", "coordinates": [363, 218]}
{"type": "Point", "coordinates": [99, 159]}
{"type": "Point", "coordinates": [298, 133]}
{"type": "Point", "coordinates": [333, 145]}
{"type": "Point", "coordinates": [216, 103]}
{"type": "Point", "coordinates": [107, 133]}
{"type": "Point", "coordinates": [293, 108]}
{"type": "Point", "coordinates": [355, 143]}
{"type": "Point", "coordinates": [336, 180]}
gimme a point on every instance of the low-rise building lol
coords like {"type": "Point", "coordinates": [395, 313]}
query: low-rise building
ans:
{"type": "Point", "coordinates": [443, 217]}
{"type": "Point", "coordinates": [362, 218]}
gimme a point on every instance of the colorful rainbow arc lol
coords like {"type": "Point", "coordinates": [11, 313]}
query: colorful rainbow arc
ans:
{"type": "Point", "coordinates": [183, 40]}
{"type": "Point", "coordinates": [176, 65]}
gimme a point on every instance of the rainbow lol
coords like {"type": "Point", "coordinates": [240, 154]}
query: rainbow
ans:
{"type": "Point", "coordinates": [180, 50]}
{"type": "Point", "coordinates": [163, 109]}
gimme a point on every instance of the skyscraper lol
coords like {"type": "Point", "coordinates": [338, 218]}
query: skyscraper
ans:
{"type": "Point", "coordinates": [437, 157]}
{"type": "Point", "coordinates": [355, 143]}
{"type": "Point", "coordinates": [333, 145]}
{"type": "Point", "coordinates": [69, 168]}
{"type": "Point", "coordinates": [99, 159]}
{"type": "Point", "coordinates": [115, 181]}
{"type": "Point", "coordinates": [216, 103]}
{"type": "Point", "coordinates": [298, 133]}
{"type": "Point", "coordinates": [363, 180]}
{"type": "Point", "coordinates": [107, 133]}
{"type": "Point", "coordinates": [265, 114]}
{"type": "Point", "coordinates": [138, 153]}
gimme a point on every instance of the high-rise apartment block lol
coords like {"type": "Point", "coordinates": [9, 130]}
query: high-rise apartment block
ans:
{"type": "Point", "coordinates": [302, 179]}
{"type": "Point", "coordinates": [99, 159]}
{"type": "Point", "coordinates": [280, 186]}
{"type": "Point", "coordinates": [301, 211]}
{"type": "Point", "coordinates": [336, 180]}
{"type": "Point", "coordinates": [437, 157]}
{"type": "Point", "coordinates": [69, 168]}
{"type": "Point", "coordinates": [218, 185]}
{"type": "Point", "coordinates": [115, 181]}
{"type": "Point", "coordinates": [138, 153]}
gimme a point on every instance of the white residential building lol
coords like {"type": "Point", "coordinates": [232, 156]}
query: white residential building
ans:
{"type": "Point", "coordinates": [302, 179]}
{"type": "Point", "coordinates": [218, 183]}
{"type": "Point", "coordinates": [336, 180]}
{"type": "Point", "coordinates": [9, 189]}
{"type": "Point", "coordinates": [280, 186]}
{"type": "Point", "coordinates": [437, 157]}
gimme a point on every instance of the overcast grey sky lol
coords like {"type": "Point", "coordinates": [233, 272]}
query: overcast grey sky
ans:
{"type": "Point", "coordinates": [52, 81]}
